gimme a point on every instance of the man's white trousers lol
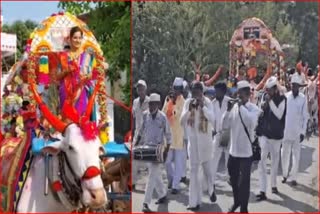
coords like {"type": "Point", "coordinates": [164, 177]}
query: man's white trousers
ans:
{"type": "Point", "coordinates": [289, 146]}
{"type": "Point", "coordinates": [195, 189]}
{"type": "Point", "coordinates": [217, 152]}
{"type": "Point", "coordinates": [155, 182]}
{"type": "Point", "coordinates": [174, 166]}
{"type": "Point", "coordinates": [272, 146]}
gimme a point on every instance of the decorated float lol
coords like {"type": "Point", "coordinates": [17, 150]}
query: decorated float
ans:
{"type": "Point", "coordinates": [38, 102]}
{"type": "Point", "coordinates": [255, 54]}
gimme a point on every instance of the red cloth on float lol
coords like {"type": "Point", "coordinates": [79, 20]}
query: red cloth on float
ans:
{"type": "Point", "coordinates": [252, 73]}
{"type": "Point", "coordinates": [128, 137]}
{"type": "Point", "coordinates": [1, 137]}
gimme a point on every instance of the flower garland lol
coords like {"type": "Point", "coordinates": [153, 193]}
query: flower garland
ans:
{"type": "Point", "coordinates": [102, 98]}
{"type": "Point", "coordinates": [32, 64]}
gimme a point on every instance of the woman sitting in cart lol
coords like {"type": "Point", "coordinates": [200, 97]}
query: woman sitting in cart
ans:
{"type": "Point", "coordinates": [76, 73]}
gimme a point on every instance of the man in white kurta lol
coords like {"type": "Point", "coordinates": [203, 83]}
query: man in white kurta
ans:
{"type": "Point", "coordinates": [173, 108]}
{"type": "Point", "coordinates": [296, 125]}
{"type": "Point", "coordinates": [210, 93]}
{"type": "Point", "coordinates": [220, 105]}
{"type": "Point", "coordinates": [140, 105]}
{"type": "Point", "coordinates": [240, 154]}
{"type": "Point", "coordinates": [198, 117]}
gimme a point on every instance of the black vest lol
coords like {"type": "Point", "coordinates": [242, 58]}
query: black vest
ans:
{"type": "Point", "coordinates": [272, 127]}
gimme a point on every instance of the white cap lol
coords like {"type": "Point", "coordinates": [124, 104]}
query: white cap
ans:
{"type": "Point", "coordinates": [296, 78]}
{"type": "Point", "coordinates": [272, 81]}
{"type": "Point", "coordinates": [243, 84]}
{"type": "Point", "coordinates": [154, 97]}
{"type": "Point", "coordinates": [178, 81]}
{"type": "Point", "coordinates": [142, 82]}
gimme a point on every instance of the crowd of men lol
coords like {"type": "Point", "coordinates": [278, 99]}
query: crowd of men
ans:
{"type": "Point", "coordinates": [205, 123]}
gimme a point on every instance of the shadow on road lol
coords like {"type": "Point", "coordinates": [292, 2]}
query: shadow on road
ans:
{"type": "Point", "coordinates": [205, 207]}
{"type": "Point", "coordinates": [306, 154]}
{"type": "Point", "coordinates": [305, 158]}
{"type": "Point", "coordinates": [183, 199]}
{"type": "Point", "coordinates": [139, 191]}
{"type": "Point", "coordinates": [306, 189]}
{"type": "Point", "coordinates": [164, 207]}
{"type": "Point", "coordinates": [294, 205]}
{"type": "Point", "coordinates": [226, 193]}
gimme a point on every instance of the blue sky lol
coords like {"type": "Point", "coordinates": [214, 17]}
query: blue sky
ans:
{"type": "Point", "coordinates": [36, 11]}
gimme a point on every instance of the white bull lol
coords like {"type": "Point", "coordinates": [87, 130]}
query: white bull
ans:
{"type": "Point", "coordinates": [84, 167]}
{"type": "Point", "coordinates": [83, 157]}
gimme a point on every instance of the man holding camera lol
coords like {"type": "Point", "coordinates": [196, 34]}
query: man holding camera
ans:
{"type": "Point", "coordinates": [154, 129]}
{"type": "Point", "coordinates": [241, 117]}
{"type": "Point", "coordinates": [197, 117]}
{"type": "Point", "coordinates": [270, 130]}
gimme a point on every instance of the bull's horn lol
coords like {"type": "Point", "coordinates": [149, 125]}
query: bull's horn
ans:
{"type": "Point", "coordinates": [92, 99]}
{"type": "Point", "coordinates": [52, 119]}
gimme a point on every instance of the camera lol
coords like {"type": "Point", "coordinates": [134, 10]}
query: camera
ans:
{"type": "Point", "coordinates": [194, 103]}
{"type": "Point", "coordinates": [233, 101]}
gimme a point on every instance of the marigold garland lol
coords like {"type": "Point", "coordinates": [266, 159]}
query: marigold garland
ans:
{"type": "Point", "coordinates": [100, 76]}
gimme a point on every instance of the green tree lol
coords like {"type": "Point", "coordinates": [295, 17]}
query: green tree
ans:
{"type": "Point", "coordinates": [304, 18]}
{"type": "Point", "coordinates": [169, 36]}
{"type": "Point", "coordinates": [22, 29]}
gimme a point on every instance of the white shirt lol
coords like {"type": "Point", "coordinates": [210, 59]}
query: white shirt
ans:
{"type": "Point", "coordinates": [200, 145]}
{"type": "Point", "coordinates": [240, 143]}
{"type": "Point", "coordinates": [219, 111]}
{"type": "Point", "coordinates": [296, 117]}
{"type": "Point", "coordinates": [154, 130]}
{"type": "Point", "coordinates": [137, 113]}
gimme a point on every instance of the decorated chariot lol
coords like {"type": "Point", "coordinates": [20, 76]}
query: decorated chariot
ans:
{"type": "Point", "coordinates": [57, 144]}
{"type": "Point", "coordinates": [255, 54]}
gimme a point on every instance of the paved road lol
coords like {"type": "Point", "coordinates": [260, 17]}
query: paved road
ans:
{"type": "Point", "coordinates": [302, 198]}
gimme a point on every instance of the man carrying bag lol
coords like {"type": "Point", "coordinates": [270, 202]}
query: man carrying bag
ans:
{"type": "Point", "coordinates": [241, 117]}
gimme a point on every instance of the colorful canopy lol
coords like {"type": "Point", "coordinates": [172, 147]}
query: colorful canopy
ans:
{"type": "Point", "coordinates": [254, 48]}
{"type": "Point", "coordinates": [52, 34]}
